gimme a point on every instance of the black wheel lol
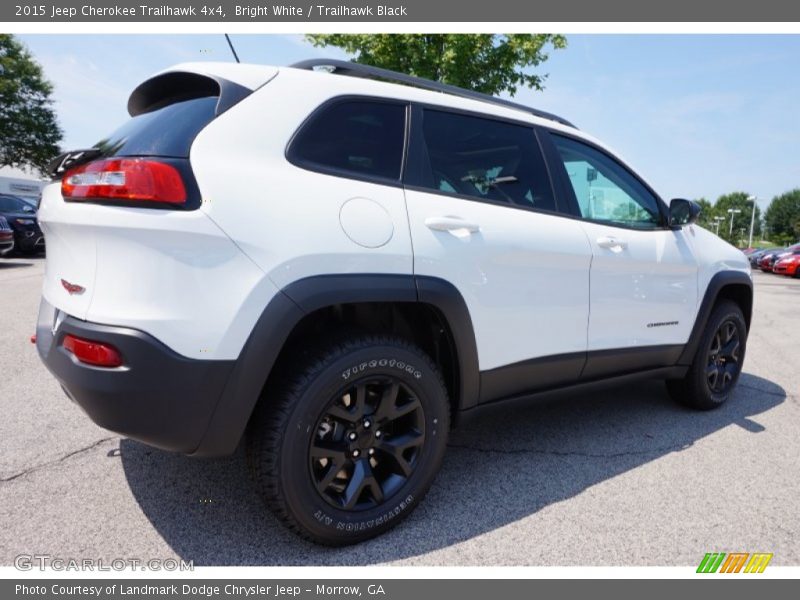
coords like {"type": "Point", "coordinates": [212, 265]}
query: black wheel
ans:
{"type": "Point", "coordinates": [345, 448]}
{"type": "Point", "coordinates": [718, 362]}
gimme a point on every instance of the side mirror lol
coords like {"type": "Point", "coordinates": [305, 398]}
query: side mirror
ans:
{"type": "Point", "coordinates": [683, 212]}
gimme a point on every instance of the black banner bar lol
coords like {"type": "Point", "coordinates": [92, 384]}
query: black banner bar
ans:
{"type": "Point", "coordinates": [390, 589]}
{"type": "Point", "coordinates": [344, 11]}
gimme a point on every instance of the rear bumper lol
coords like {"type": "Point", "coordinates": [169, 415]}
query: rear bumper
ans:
{"type": "Point", "coordinates": [157, 396]}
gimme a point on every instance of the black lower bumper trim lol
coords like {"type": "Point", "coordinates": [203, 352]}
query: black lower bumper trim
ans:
{"type": "Point", "coordinates": [157, 396]}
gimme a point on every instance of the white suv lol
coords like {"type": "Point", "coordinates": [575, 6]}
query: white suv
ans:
{"type": "Point", "coordinates": [339, 263]}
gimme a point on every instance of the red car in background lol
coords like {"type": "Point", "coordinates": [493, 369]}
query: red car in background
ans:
{"type": "Point", "coordinates": [767, 262]}
{"type": "Point", "coordinates": [6, 237]}
{"type": "Point", "coordinates": [788, 265]}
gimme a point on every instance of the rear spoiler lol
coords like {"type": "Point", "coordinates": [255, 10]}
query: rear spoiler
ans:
{"type": "Point", "coordinates": [232, 83]}
{"type": "Point", "coordinates": [177, 86]}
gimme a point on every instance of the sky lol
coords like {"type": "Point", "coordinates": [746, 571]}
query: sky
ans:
{"type": "Point", "coordinates": [695, 115]}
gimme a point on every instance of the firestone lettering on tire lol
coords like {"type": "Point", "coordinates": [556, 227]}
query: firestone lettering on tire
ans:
{"type": "Point", "coordinates": [383, 362]}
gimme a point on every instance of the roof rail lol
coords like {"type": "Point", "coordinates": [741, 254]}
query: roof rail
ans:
{"type": "Point", "coordinates": [351, 69]}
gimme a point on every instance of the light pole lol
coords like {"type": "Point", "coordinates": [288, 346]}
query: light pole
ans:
{"type": "Point", "coordinates": [732, 211]}
{"type": "Point", "coordinates": [752, 219]}
{"type": "Point", "coordinates": [718, 221]}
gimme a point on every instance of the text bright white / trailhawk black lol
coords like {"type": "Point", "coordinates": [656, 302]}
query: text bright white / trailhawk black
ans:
{"type": "Point", "coordinates": [339, 268]}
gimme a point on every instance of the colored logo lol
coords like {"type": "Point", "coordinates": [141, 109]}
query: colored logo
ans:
{"type": "Point", "coordinates": [734, 562]}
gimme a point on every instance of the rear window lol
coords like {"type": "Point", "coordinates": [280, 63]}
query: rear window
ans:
{"type": "Point", "coordinates": [168, 131]}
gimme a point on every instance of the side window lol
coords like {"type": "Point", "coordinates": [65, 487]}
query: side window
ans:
{"type": "Point", "coordinates": [485, 159]}
{"type": "Point", "coordinates": [361, 137]}
{"type": "Point", "coordinates": [604, 189]}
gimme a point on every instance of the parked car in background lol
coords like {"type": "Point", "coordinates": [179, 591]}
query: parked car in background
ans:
{"type": "Point", "coordinates": [788, 265]}
{"type": "Point", "coordinates": [773, 257]}
{"type": "Point", "coordinates": [755, 257]}
{"type": "Point", "coordinates": [765, 262]}
{"type": "Point", "coordinates": [6, 237]}
{"type": "Point", "coordinates": [21, 216]}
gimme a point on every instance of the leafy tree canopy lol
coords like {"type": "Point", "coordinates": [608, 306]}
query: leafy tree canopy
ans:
{"type": "Point", "coordinates": [29, 132]}
{"type": "Point", "coordinates": [486, 63]}
{"type": "Point", "coordinates": [782, 217]}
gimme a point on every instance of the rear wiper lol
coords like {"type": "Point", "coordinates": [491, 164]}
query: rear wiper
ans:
{"type": "Point", "coordinates": [69, 160]}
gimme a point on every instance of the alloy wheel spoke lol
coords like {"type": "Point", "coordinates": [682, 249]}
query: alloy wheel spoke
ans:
{"type": "Point", "coordinates": [730, 349]}
{"type": "Point", "coordinates": [726, 378]}
{"type": "Point", "coordinates": [328, 449]}
{"type": "Point", "coordinates": [330, 474]}
{"type": "Point", "coordinates": [730, 331]}
{"type": "Point", "coordinates": [388, 400]}
{"type": "Point", "coordinates": [712, 374]}
{"type": "Point", "coordinates": [361, 399]}
{"type": "Point", "coordinates": [356, 484]}
{"type": "Point", "coordinates": [396, 447]}
{"type": "Point", "coordinates": [362, 479]}
{"type": "Point", "coordinates": [407, 408]}
{"type": "Point", "coordinates": [342, 413]}
{"type": "Point", "coordinates": [716, 345]}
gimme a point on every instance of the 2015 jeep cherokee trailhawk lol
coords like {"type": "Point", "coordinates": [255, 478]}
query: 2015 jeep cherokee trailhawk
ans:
{"type": "Point", "coordinates": [338, 265]}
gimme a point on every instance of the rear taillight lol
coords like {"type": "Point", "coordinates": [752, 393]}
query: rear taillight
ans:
{"type": "Point", "coordinates": [91, 352]}
{"type": "Point", "coordinates": [125, 179]}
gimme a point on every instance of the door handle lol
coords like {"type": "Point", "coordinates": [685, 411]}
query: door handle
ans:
{"type": "Point", "coordinates": [612, 243]}
{"type": "Point", "coordinates": [450, 223]}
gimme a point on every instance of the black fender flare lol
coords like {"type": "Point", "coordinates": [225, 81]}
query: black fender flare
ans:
{"type": "Point", "coordinates": [715, 287]}
{"type": "Point", "coordinates": [302, 297]}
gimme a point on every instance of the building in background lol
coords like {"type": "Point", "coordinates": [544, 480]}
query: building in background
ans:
{"type": "Point", "coordinates": [17, 183]}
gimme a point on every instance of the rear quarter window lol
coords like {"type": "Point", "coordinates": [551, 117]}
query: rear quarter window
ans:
{"type": "Point", "coordinates": [363, 139]}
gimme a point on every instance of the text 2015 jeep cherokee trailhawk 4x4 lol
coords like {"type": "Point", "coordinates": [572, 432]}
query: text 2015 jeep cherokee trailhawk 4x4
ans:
{"type": "Point", "coordinates": [338, 265]}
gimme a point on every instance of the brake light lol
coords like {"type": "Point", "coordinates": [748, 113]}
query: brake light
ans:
{"type": "Point", "coordinates": [131, 179]}
{"type": "Point", "coordinates": [92, 353]}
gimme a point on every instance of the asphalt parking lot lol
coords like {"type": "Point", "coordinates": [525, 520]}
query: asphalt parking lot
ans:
{"type": "Point", "coordinates": [621, 477]}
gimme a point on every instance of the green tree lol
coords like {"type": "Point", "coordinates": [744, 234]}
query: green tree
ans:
{"type": "Point", "coordinates": [707, 214]}
{"type": "Point", "coordinates": [483, 62]}
{"type": "Point", "coordinates": [782, 217]}
{"type": "Point", "coordinates": [741, 220]}
{"type": "Point", "coordinates": [29, 133]}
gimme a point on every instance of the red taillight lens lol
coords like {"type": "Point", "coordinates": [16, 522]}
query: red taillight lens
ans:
{"type": "Point", "coordinates": [132, 179]}
{"type": "Point", "coordinates": [92, 353]}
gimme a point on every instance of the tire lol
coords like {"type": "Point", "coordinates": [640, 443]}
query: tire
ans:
{"type": "Point", "coordinates": [385, 391]}
{"type": "Point", "coordinates": [718, 362]}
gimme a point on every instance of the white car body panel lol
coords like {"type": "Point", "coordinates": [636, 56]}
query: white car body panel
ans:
{"type": "Point", "coordinates": [174, 275]}
{"type": "Point", "coordinates": [291, 226]}
{"type": "Point", "coordinates": [643, 294]}
{"type": "Point", "coordinates": [524, 275]}
{"type": "Point", "coordinates": [713, 255]}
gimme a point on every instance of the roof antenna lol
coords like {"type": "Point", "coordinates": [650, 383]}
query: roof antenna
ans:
{"type": "Point", "coordinates": [230, 43]}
